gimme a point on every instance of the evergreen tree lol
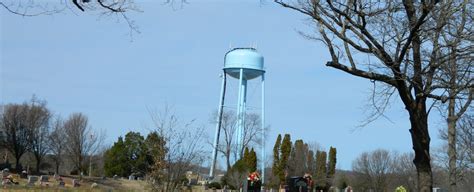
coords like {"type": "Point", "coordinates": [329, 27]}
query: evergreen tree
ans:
{"type": "Point", "coordinates": [246, 157]}
{"type": "Point", "coordinates": [310, 162]}
{"type": "Point", "coordinates": [116, 161]}
{"type": "Point", "coordinates": [321, 170]}
{"type": "Point", "coordinates": [285, 154]}
{"type": "Point", "coordinates": [332, 162]}
{"type": "Point", "coordinates": [156, 152]}
{"type": "Point", "coordinates": [156, 147]}
{"type": "Point", "coordinates": [252, 161]}
{"type": "Point", "coordinates": [136, 152]}
{"type": "Point", "coordinates": [133, 154]}
{"type": "Point", "coordinates": [276, 158]}
{"type": "Point", "coordinates": [297, 163]}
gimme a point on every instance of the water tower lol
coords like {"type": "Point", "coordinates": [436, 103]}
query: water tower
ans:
{"type": "Point", "coordinates": [243, 64]}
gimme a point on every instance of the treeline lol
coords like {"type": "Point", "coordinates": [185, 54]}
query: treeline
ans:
{"type": "Point", "coordinates": [383, 170]}
{"type": "Point", "coordinates": [172, 148]}
{"type": "Point", "coordinates": [32, 128]}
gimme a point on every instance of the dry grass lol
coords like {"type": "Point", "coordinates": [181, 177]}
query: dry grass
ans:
{"type": "Point", "coordinates": [103, 185]}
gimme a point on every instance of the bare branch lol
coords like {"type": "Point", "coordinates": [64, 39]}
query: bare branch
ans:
{"type": "Point", "coordinates": [363, 74]}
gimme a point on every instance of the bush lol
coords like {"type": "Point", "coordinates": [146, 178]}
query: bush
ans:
{"type": "Point", "coordinates": [400, 189]}
{"type": "Point", "coordinates": [236, 175]}
{"type": "Point", "coordinates": [215, 185]}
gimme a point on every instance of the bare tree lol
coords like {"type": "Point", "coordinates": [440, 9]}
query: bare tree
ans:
{"type": "Point", "coordinates": [373, 170]}
{"type": "Point", "coordinates": [396, 46]}
{"type": "Point", "coordinates": [182, 151]}
{"type": "Point", "coordinates": [15, 131]}
{"type": "Point", "coordinates": [114, 8]}
{"type": "Point", "coordinates": [81, 140]}
{"type": "Point", "coordinates": [464, 153]}
{"type": "Point", "coordinates": [37, 120]}
{"type": "Point", "coordinates": [35, 7]}
{"type": "Point", "coordinates": [252, 128]}
{"type": "Point", "coordinates": [57, 142]}
{"type": "Point", "coordinates": [403, 172]}
{"type": "Point", "coordinates": [117, 8]}
{"type": "Point", "coordinates": [456, 70]}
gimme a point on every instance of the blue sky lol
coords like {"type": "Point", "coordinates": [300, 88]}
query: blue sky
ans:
{"type": "Point", "coordinates": [87, 63]}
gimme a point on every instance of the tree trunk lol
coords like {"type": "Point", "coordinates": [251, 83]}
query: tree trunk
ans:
{"type": "Point", "coordinates": [18, 165]}
{"type": "Point", "coordinates": [451, 120]}
{"type": "Point", "coordinates": [57, 167]}
{"type": "Point", "coordinates": [452, 146]}
{"type": "Point", "coordinates": [421, 146]}
{"type": "Point", "coordinates": [227, 159]}
{"type": "Point", "coordinates": [38, 163]}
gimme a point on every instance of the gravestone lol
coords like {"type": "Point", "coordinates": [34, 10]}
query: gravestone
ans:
{"type": "Point", "coordinates": [75, 183]}
{"type": "Point", "coordinates": [44, 178]}
{"type": "Point", "coordinates": [32, 180]}
{"type": "Point", "coordinates": [94, 185]}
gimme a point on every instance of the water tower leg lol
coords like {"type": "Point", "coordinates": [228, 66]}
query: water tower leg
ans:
{"type": "Point", "coordinates": [218, 127]}
{"type": "Point", "coordinates": [241, 113]}
{"type": "Point", "coordinates": [263, 131]}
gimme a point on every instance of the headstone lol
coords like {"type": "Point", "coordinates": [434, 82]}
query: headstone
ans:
{"type": "Point", "coordinates": [44, 178]}
{"type": "Point", "coordinates": [94, 185]}
{"type": "Point", "coordinates": [32, 180]}
{"type": "Point", "coordinates": [75, 183]}
{"type": "Point", "coordinates": [115, 176]}
{"type": "Point", "coordinates": [131, 177]}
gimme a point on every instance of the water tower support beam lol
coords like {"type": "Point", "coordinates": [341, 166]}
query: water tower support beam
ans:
{"type": "Point", "coordinates": [263, 129]}
{"type": "Point", "coordinates": [241, 113]}
{"type": "Point", "coordinates": [218, 126]}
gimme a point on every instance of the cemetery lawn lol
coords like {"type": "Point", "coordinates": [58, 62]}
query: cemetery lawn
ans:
{"type": "Point", "coordinates": [108, 184]}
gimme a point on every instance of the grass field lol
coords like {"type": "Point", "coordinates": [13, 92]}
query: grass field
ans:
{"type": "Point", "coordinates": [102, 185]}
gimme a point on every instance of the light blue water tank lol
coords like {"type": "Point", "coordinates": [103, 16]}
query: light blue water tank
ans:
{"type": "Point", "coordinates": [247, 59]}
